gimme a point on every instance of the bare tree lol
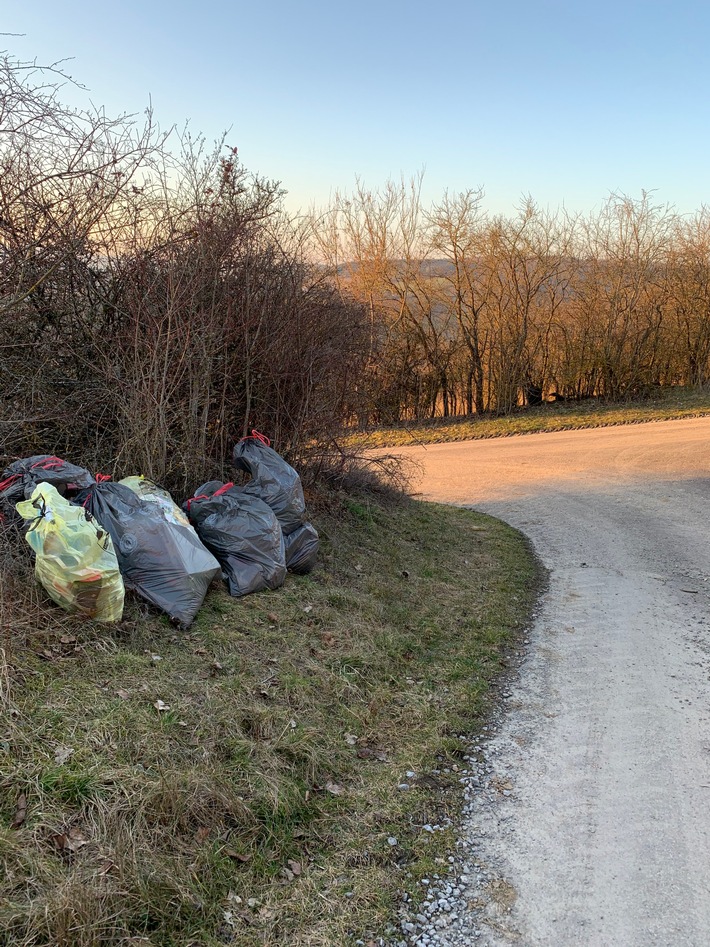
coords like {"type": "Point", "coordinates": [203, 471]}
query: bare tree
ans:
{"type": "Point", "coordinates": [457, 226]}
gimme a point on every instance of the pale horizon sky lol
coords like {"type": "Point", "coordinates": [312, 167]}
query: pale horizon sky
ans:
{"type": "Point", "coordinates": [561, 101]}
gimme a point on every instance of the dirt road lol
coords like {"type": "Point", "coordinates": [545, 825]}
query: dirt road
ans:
{"type": "Point", "coordinates": [604, 838]}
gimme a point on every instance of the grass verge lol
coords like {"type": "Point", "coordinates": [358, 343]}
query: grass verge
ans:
{"type": "Point", "coordinates": [258, 804]}
{"type": "Point", "coordinates": [667, 405]}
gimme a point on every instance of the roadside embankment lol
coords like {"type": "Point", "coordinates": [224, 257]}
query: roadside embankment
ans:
{"type": "Point", "coordinates": [279, 774]}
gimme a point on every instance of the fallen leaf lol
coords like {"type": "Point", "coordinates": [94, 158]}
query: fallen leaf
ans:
{"type": "Point", "coordinates": [272, 616]}
{"type": "Point", "coordinates": [68, 639]}
{"type": "Point", "coordinates": [200, 651]}
{"type": "Point", "coordinates": [20, 812]}
{"type": "Point", "coordinates": [76, 839]}
{"type": "Point", "coordinates": [235, 856]}
{"type": "Point", "coordinates": [350, 739]}
{"type": "Point", "coordinates": [62, 754]}
{"type": "Point", "coordinates": [124, 695]}
{"type": "Point", "coordinates": [106, 867]}
{"type": "Point", "coordinates": [215, 668]}
{"type": "Point", "coordinates": [202, 834]}
{"type": "Point", "coordinates": [287, 874]}
{"type": "Point", "coordinates": [70, 841]}
{"type": "Point", "coordinates": [307, 608]}
{"type": "Point", "coordinates": [334, 789]}
{"type": "Point", "coordinates": [161, 707]}
{"type": "Point", "coordinates": [294, 866]}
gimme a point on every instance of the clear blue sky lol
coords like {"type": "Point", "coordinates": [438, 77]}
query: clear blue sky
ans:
{"type": "Point", "coordinates": [561, 100]}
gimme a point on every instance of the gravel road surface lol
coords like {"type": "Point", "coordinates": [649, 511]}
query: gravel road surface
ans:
{"type": "Point", "coordinates": [588, 809]}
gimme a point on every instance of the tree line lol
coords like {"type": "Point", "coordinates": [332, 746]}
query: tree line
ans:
{"type": "Point", "coordinates": [470, 312]}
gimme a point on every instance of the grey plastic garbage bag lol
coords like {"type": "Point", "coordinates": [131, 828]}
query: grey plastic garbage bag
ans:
{"type": "Point", "coordinates": [244, 535]}
{"type": "Point", "coordinates": [302, 549]}
{"type": "Point", "coordinates": [162, 561]}
{"type": "Point", "coordinates": [272, 480]}
{"type": "Point", "coordinates": [21, 477]}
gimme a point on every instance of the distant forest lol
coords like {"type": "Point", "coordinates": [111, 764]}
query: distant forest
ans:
{"type": "Point", "coordinates": [471, 313]}
{"type": "Point", "coordinates": [157, 301]}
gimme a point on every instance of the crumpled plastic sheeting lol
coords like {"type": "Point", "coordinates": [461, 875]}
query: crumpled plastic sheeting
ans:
{"type": "Point", "coordinates": [151, 491]}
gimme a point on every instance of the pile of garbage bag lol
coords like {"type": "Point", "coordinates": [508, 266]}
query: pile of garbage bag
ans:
{"type": "Point", "coordinates": [92, 538]}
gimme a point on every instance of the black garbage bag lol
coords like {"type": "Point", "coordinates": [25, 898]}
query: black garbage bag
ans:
{"type": "Point", "coordinates": [272, 480]}
{"type": "Point", "coordinates": [302, 549]}
{"type": "Point", "coordinates": [243, 533]}
{"type": "Point", "coordinates": [161, 560]}
{"type": "Point", "coordinates": [21, 477]}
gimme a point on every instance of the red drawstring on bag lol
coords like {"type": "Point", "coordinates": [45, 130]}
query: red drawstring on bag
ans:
{"type": "Point", "coordinates": [256, 436]}
{"type": "Point", "coordinates": [204, 496]}
{"type": "Point", "coordinates": [49, 463]}
{"type": "Point", "coordinates": [201, 496]}
{"type": "Point", "coordinates": [10, 480]}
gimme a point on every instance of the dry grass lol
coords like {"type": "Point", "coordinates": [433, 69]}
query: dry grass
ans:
{"type": "Point", "coordinates": [256, 810]}
{"type": "Point", "coordinates": [664, 405]}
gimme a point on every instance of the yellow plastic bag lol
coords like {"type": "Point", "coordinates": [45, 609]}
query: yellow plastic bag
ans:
{"type": "Point", "coordinates": [75, 559]}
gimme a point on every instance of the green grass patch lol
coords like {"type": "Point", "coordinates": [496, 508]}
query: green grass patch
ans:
{"type": "Point", "coordinates": [256, 808]}
{"type": "Point", "coordinates": [666, 404]}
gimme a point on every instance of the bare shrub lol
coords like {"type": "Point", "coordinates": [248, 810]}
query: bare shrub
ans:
{"type": "Point", "coordinates": [155, 306]}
